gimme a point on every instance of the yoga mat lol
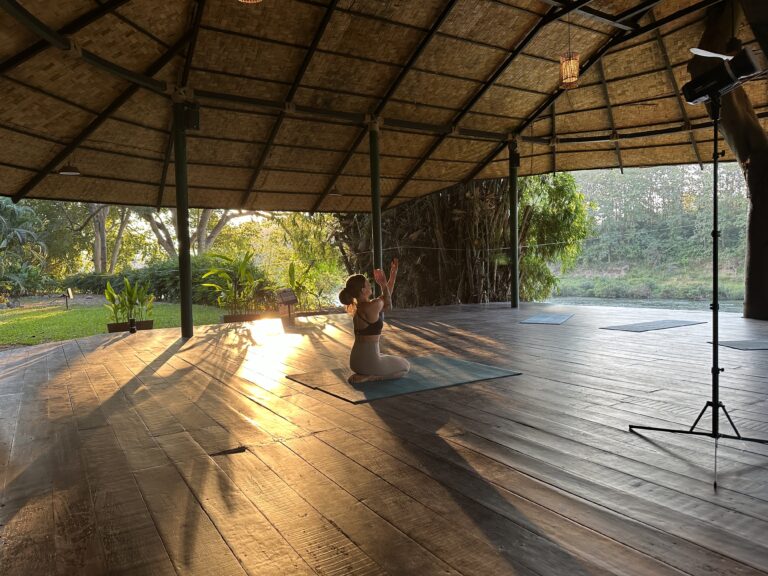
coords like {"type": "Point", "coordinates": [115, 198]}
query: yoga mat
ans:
{"type": "Point", "coordinates": [745, 344]}
{"type": "Point", "coordinates": [547, 319]}
{"type": "Point", "coordinates": [427, 373]}
{"type": "Point", "coordinates": [654, 325]}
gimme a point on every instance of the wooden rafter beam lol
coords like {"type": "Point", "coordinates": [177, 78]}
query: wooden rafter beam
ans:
{"type": "Point", "coordinates": [595, 15]}
{"type": "Point", "coordinates": [265, 151]}
{"type": "Point", "coordinates": [551, 16]}
{"type": "Point", "coordinates": [612, 42]}
{"type": "Point", "coordinates": [194, 31]}
{"type": "Point", "coordinates": [75, 26]}
{"type": "Point", "coordinates": [385, 99]}
{"type": "Point", "coordinates": [153, 69]}
{"type": "Point", "coordinates": [609, 110]}
{"type": "Point", "coordinates": [678, 95]}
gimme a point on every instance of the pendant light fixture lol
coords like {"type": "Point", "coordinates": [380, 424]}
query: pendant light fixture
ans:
{"type": "Point", "coordinates": [569, 66]}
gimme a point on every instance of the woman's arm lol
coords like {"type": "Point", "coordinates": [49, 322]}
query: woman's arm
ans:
{"type": "Point", "coordinates": [392, 276]}
{"type": "Point", "coordinates": [386, 294]}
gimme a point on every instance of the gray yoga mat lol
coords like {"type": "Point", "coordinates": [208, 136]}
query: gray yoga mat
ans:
{"type": "Point", "coordinates": [547, 319]}
{"type": "Point", "coordinates": [427, 373]}
{"type": "Point", "coordinates": [654, 325]}
{"type": "Point", "coordinates": [745, 344]}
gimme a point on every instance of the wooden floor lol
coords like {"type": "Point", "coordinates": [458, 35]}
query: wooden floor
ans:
{"type": "Point", "coordinates": [145, 454]}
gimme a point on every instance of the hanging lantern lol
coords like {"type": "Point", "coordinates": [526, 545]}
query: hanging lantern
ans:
{"type": "Point", "coordinates": [569, 70]}
{"type": "Point", "coordinates": [249, 1]}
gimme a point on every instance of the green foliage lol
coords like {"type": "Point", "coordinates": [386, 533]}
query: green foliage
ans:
{"type": "Point", "coordinates": [241, 286]}
{"type": "Point", "coordinates": [554, 220]}
{"type": "Point", "coordinates": [653, 234]}
{"type": "Point", "coordinates": [35, 325]}
{"type": "Point", "coordinates": [133, 301]}
{"type": "Point", "coordinates": [21, 250]}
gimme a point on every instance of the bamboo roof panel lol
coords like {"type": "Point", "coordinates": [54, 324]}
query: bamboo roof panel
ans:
{"type": "Point", "coordinates": [27, 150]}
{"type": "Point", "coordinates": [15, 38]}
{"type": "Point", "coordinates": [237, 125]}
{"type": "Point", "coordinates": [290, 158]}
{"type": "Point", "coordinates": [329, 99]}
{"type": "Point", "coordinates": [241, 86]}
{"type": "Point", "coordinates": [117, 41]}
{"type": "Point", "coordinates": [503, 123]}
{"type": "Point", "coordinates": [518, 75]}
{"type": "Point", "coordinates": [360, 76]}
{"type": "Point", "coordinates": [158, 18]}
{"type": "Point", "coordinates": [501, 100]}
{"type": "Point", "coordinates": [413, 112]}
{"type": "Point", "coordinates": [271, 24]}
{"type": "Point", "coordinates": [220, 177]}
{"type": "Point", "coordinates": [68, 77]}
{"type": "Point", "coordinates": [127, 137]}
{"type": "Point", "coordinates": [360, 165]}
{"type": "Point", "coordinates": [30, 110]}
{"type": "Point", "coordinates": [350, 34]}
{"type": "Point", "coordinates": [417, 14]}
{"type": "Point", "coordinates": [463, 150]}
{"type": "Point", "coordinates": [477, 62]}
{"type": "Point", "coordinates": [421, 87]}
{"type": "Point", "coordinates": [445, 103]}
{"type": "Point", "coordinates": [276, 62]}
{"type": "Point", "coordinates": [490, 22]}
{"type": "Point", "coordinates": [443, 170]}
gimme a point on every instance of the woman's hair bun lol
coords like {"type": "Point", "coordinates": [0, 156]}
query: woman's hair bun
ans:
{"type": "Point", "coordinates": [345, 297]}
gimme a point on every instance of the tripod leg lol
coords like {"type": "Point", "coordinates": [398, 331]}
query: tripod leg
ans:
{"type": "Point", "coordinates": [729, 420]}
{"type": "Point", "coordinates": [707, 405]}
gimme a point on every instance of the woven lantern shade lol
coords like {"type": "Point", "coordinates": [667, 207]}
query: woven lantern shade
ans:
{"type": "Point", "coordinates": [569, 70]}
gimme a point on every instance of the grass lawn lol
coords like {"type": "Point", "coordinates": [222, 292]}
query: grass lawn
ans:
{"type": "Point", "coordinates": [38, 324]}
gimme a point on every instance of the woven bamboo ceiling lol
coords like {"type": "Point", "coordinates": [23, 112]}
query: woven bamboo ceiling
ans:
{"type": "Point", "coordinates": [287, 88]}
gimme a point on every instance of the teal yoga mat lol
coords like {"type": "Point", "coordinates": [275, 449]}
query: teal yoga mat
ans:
{"type": "Point", "coordinates": [547, 319]}
{"type": "Point", "coordinates": [745, 344]}
{"type": "Point", "coordinates": [427, 373]}
{"type": "Point", "coordinates": [654, 325]}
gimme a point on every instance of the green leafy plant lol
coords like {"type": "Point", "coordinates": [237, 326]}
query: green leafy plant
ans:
{"type": "Point", "coordinates": [240, 286]}
{"type": "Point", "coordinates": [133, 301]}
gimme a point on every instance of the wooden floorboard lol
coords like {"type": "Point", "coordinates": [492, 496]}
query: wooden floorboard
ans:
{"type": "Point", "coordinates": [150, 454]}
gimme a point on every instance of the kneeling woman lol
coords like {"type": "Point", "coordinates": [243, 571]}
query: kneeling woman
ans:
{"type": "Point", "coordinates": [366, 361]}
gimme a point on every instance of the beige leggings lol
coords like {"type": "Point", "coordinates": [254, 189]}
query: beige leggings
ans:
{"type": "Point", "coordinates": [366, 359]}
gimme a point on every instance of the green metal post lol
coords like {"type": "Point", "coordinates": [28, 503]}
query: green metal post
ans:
{"type": "Point", "coordinates": [514, 250]}
{"type": "Point", "coordinates": [182, 215]}
{"type": "Point", "coordinates": [375, 195]}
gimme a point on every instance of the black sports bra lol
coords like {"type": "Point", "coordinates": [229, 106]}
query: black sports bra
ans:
{"type": "Point", "coordinates": [373, 328]}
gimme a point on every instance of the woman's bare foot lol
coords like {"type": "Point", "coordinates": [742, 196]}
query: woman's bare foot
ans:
{"type": "Point", "coordinates": [360, 378]}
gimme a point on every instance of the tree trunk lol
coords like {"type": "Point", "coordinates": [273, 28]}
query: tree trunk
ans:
{"type": "Point", "coordinates": [99, 212]}
{"type": "Point", "coordinates": [125, 215]}
{"type": "Point", "coordinates": [745, 136]}
{"type": "Point", "coordinates": [161, 232]}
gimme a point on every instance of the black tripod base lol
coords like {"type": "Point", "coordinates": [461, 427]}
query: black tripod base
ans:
{"type": "Point", "coordinates": [714, 433]}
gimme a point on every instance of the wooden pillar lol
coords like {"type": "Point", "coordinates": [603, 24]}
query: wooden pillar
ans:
{"type": "Point", "coordinates": [514, 250]}
{"type": "Point", "coordinates": [182, 215]}
{"type": "Point", "coordinates": [373, 135]}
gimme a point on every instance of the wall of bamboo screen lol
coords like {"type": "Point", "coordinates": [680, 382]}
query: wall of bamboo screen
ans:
{"type": "Point", "coordinates": [296, 82]}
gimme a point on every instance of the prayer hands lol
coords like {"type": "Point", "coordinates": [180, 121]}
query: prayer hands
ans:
{"type": "Point", "coordinates": [378, 276]}
{"type": "Point", "coordinates": [393, 267]}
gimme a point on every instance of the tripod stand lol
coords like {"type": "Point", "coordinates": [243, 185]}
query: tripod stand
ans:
{"type": "Point", "coordinates": [715, 404]}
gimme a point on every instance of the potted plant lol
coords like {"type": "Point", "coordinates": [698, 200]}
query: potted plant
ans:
{"type": "Point", "coordinates": [238, 288]}
{"type": "Point", "coordinates": [133, 304]}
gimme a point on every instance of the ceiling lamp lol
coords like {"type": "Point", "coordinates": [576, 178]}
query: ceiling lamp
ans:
{"type": "Point", "coordinates": [69, 170]}
{"type": "Point", "coordinates": [569, 66]}
{"type": "Point", "coordinates": [249, 1]}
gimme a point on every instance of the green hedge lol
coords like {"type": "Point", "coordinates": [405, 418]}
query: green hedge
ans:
{"type": "Point", "coordinates": [162, 278]}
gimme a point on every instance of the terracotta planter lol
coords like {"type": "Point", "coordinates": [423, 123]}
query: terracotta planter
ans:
{"type": "Point", "coordinates": [241, 317]}
{"type": "Point", "coordinates": [125, 326]}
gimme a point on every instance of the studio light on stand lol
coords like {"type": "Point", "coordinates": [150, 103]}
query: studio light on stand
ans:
{"type": "Point", "coordinates": [709, 87]}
